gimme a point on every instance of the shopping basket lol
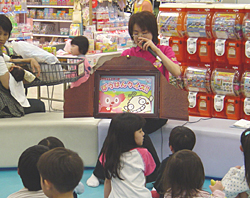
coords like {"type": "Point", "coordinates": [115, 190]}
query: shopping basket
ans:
{"type": "Point", "coordinates": [53, 74]}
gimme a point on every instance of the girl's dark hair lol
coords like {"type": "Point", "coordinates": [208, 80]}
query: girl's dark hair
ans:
{"type": "Point", "coordinates": [146, 21]}
{"type": "Point", "coordinates": [245, 143]}
{"type": "Point", "coordinates": [17, 73]}
{"type": "Point", "coordinates": [120, 139]}
{"type": "Point", "coordinates": [51, 142]}
{"type": "Point", "coordinates": [183, 175]}
{"type": "Point", "coordinates": [5, 23]}
{"type": "Point", "coordinates": [82, 42]}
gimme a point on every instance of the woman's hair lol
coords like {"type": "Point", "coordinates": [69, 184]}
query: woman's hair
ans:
{"type": "Point", "coordinates": [5, 23]}
{"type": "Point", "coordinates": [146, 21]}
{"type": "Point", "coordinates": [18, 73]}
{"type": "Point", "coordinates": [51, 142]}
{"type": "Point", "coordinates": [245, 143]}
{"type": "Point", "coordinates": [82, 42]}
{"type": "Point", "coordinates": [183, 175]}
{"type": "Point", "coordinates": [120, 139]}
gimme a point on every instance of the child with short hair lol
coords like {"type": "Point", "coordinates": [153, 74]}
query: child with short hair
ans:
{"type": "Point", "coordinates": [54, 142]}
{"type": "Point", "coordinates": [79, 47]}
{"type": "Point", "coordinates": [51, 142]}
{"type": "Point", "coordinates": [184, 176]}
{"type": "Point", "coordinates": [125, 162]}
{"type": "Point", "coordinates": [61, 170]}
{"type": "Point", "coordinates": [180, 138]}
{"type": "Point", "coordinates": [27, 170]}
{"type": "Point", "coordinates": [237, 180]}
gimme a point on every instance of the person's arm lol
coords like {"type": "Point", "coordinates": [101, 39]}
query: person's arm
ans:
{"type": "Point", "coordinates": [107, 187]}
{"type": "Point", "coordinates": [234, 182]}
{"type": "Point", "coordinates": [5, 80]}
{"type": "Point", "coordinates": [4, 73]}
{"type": "Point", "coordinates": [147, 6]}
{"type": "Point", "coordinates": [217, 189]}
{"type": "Point", "coordinates": [33, 63]}
{"type": "Point", "coordinates": [172, 67]}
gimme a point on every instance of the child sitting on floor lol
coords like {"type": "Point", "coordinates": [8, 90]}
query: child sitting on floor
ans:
{"type": "Point", "coordinates": [53, 142]}
{"type": "Point", "coordinates": [125, 162]}
{"type": "Point", "coordinates": [180, 138]}
{"type": "Point", "coordinates": [61, 170]}
{"type": "Point", "coordinates": [237, 180]}
{"type": "Point", "coordinates": [184, 176]}
{"type": "Point", "coordinates": [27, 170]}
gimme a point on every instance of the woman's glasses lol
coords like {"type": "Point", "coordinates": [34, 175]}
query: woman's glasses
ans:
{"type": "Point", "coordinates": [145, 34]}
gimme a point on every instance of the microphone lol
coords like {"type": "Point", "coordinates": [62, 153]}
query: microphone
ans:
{"type": "Point", "coordinates": [152, 52]}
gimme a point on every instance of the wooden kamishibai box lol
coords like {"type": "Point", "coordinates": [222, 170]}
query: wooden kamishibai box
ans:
{"type": "Point", "coordinates": [126, 84]}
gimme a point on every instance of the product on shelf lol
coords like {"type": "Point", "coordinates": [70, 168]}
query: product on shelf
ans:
{"type": "Point", "coordinates": [47, 28]}
{"type": "Point", "coordinates": [36, 27]}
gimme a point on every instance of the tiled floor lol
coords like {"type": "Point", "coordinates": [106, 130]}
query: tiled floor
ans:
{"type": "Point", "coordinates": [55, 91]}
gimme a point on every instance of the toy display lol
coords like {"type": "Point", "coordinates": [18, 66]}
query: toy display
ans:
{"type": "Point", "coordinates": [217, 38]}
{"type": "Point", "coordinates": [197, 82]}
{"type": "Point", "coordinates": [245, 89]}
{"type": "Point", "coordinates": [170, 20]}
{"type": "Point", "coordinates": [199, 32]}
{"type": "Point", "coordinates": [227, 30]}
{"type": "Point", "coordinates": [225, 85]}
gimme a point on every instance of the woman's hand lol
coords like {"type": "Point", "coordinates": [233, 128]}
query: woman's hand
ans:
{"type": "Point", "coordinates": [35, 66]}
{"type": "Point", "coordinates": [144, 43]}
{"type": "Point", "coordinates": [13, 66]}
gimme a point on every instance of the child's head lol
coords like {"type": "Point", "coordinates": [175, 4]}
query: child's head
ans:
{"type": "Point", "coordinates": [5, 29]}
{"type": "Point", "coordinates": [27, 167]}
{"type": "Point", "coordinates": [245, 147]}
{"type": "Point", "coordinates": [181, 138]}
{"type": "Point", "coordinates": [51, 142]}
{"type": "Point", "coordinates": [122, 130]}
{"type": "Point", "coordinates": [61, 170]}
{"type": "Point", "coordinates": [183, 174]}
{"type": "Point", "coordinates": [18, 73]}
{"type": "Point", "coordinates": [124, 133]}
{"type": "Point", "coordinates": [79, 45]}
{"type": "Point", "coordinates": [143, 24]}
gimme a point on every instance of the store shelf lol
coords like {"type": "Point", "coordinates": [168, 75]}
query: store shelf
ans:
{"type": "Point", "coordinates": [48, 6]}
{"type": "Point", "coordinates": [53, 20]}
{"type": "Point", "coordinates": [51, 35]}
{"type": "Point", "coordinates": [19, 38]}
{"type": "Point", "coordinates": [16, 12]}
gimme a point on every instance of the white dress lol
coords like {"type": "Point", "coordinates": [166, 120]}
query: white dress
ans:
{"type": "Point", "coordinates": [136, 164]}
{"type": "Point", "coordinates": [234, 182]}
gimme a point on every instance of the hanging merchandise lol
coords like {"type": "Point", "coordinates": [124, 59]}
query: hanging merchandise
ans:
{"type": "Point", "coordinates": [129, 6]}
{"type": "Point", "coordinates": [76, 27]}
{"type": "Point", "coordinates": [121, 4]}
{"type": "Point", "coordinates": [94, 3]}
